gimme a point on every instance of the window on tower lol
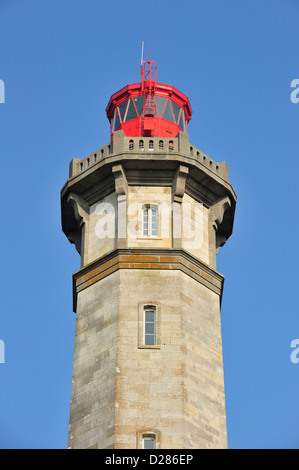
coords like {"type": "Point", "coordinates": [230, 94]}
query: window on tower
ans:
{"type": "Point", "coordinates": [149, 441]}
{"type": "Point", "coordinates": [168, 113]}
{"type": "Point", "coordinates": [131, 111]}
{"type": "Point", "coordinates": [138, 101]}
{"type": "Point", "coordinates": [149, 329]}
{"type": "Point", "coordinates": [150, 220]}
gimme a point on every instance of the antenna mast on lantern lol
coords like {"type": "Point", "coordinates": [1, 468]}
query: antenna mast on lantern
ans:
{"type": "Point", "coordinates": [149, 71]}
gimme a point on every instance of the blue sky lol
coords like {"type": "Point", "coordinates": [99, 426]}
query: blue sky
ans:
{"type": "Point", "coordinates": [235, 60]}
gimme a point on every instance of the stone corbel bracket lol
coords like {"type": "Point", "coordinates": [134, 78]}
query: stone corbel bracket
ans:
{"type": "Point", "coordinates": [178, 191]}
{"type": "Point", "coordinates": [217, 211]}
{"type": "Point", "coordinates": [179, 183]}
{"type": "Point", "coordinates": [121, 189]}
{"type": "Point", "coordinates": [81, 212]}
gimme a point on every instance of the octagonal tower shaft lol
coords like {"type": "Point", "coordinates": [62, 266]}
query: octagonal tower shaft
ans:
{"type": "Point", "coordinates": [147, 213]}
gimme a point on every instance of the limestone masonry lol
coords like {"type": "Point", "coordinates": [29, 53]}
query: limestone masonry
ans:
{"type": "Point", "coordinates": [147, 213]}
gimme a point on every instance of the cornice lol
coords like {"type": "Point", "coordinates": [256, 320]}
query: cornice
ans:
{"type": "Point", "coordinates": [154, 259]}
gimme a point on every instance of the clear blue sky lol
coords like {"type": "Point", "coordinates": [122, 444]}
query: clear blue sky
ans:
{"type": "Point", "coordinates": [60, 62]}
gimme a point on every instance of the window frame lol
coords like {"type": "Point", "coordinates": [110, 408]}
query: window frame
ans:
{"type": "Point", "coordinates": [150, 207]}
{"type": "Point", "coordinates": [142, 307]}
{"type": "Point", "coordinates": [148, 432]}
{"type": "Point", "coordinates": [145, 322]}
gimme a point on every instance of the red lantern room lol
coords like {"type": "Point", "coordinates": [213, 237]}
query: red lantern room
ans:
{"type": "Point", "coordinates": [149, 108]}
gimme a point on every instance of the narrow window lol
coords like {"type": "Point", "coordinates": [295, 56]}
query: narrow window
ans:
{"type": "Point", "coordinates": [131, 145]}
{"type": "Point", "coordinates": [102, 153]}
{"type": "Point", "coordinates": [95, 157]}
{"type": "Point", "coordinates": [131, 111]}
{"type": "Point", "coordinates": [161, 145]}
{"type": "Point", "coordinates": [154, 221]}
{"type": "Point", "coordinates": [88, 162]}
{"type": "Point", "coordinates": [150, 220]}
{"type": "Point", "coordinates": [122, 109]}
{"type": "Point", "coordinates": [149, 326]}
{"type": "Point", "coordinates": [141, 145]}
{"type": "Point", "coordinates": [176, 109]}
{"type": "Point", "coordinates": [81, 166]}
{"type": "Point", "coordinates": [149, 441]}
{"type": "Point", "coordinates": [181, 122]}
{"type": "Point", "coordinates": [145, 221]}
{"type": "Point", "coordinates": [116, 120]}
{"type": "Point", "coordinates": [109, 149]}
{"type": "Point", "coordinates": [170, 145]}
{"type": "Point", "coordinates": [151, 145]}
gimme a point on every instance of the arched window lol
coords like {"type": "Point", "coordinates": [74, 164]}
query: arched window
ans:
{"type": "Point", "coordinates": [151, 145]}
{"type": "Point", "coordinates": [131, 145]}
{"type": "Point", "coordinates": [161, 145]}
{"type": "Point", "coordinates": [170, 145]}
{"type": "Point", "coordinates": [148, 438]}
{"type": "Point", "coordinates": [141, 145]}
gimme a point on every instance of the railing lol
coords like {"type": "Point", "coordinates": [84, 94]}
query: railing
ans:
{"type": "Point", "coordinates": [147, 145]}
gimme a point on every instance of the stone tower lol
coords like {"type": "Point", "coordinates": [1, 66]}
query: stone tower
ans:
{"type": "Point", "coordinates": [147, 212]}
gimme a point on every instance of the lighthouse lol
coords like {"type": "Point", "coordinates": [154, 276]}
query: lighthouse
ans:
{"type": "Point", "coordinates": [147, 213]}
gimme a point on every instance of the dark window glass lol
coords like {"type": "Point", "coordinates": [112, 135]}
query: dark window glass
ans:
{"type": "Point", "coordinates": [116, 120]}
{"type": "Point", "coordinates": [138, 100]}
{"type": "Point", "coordinates": [131, 113]}
{"type": "Point", "coordinates": [149, 315]}
{"type": "Point", "coordinates": [149, 442]}
{"type": "Point", "coordinates": [168, 113]}
{"type": "Point", "coordinates": [176, 109]}
{"type": "Point", "coordinates": [149, 340]}
{"type": "Point", "coordinates": [160, 104]}
{"type": "Point", "coordinates": [149, 328]}
{"type": "Point", "coordinates": [122, 109]}
{"type": "Point", "coordinates": [181, 124]}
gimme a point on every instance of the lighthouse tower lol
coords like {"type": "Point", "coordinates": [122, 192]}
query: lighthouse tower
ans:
{"type": "Point", "coordinates": [147, 213]}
